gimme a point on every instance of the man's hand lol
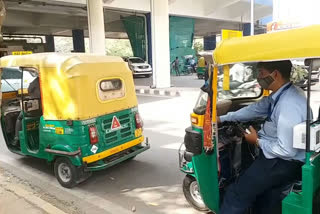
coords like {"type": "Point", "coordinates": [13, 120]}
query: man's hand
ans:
{"type": "Point", "coordinates": [252, 136]}
{"type": "Point", "coordinates": [218, 119]}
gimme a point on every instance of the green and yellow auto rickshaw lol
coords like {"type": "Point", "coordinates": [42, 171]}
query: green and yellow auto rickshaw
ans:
{"type": "Point", "coordinates": [78, 111]}
{"type": "Point", "coordinates": [215, 155]}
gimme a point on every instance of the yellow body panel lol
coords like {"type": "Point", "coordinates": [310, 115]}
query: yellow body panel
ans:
{"type": "Point", "coordinates": [290, 44]}
{"type": "Point", "coordinates": [112, 151]}
{"type": "Point", "coordinates": [69, 83]}
{"type": "Point", "coordinates": [200, 120]}
{"type": "Point", "coordinates": [202, 62]}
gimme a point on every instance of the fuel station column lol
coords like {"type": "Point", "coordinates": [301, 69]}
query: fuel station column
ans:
{"type": "Point", "coordinates": [96, 27]}
{"type": "Point", "coordinates": [160, 43]}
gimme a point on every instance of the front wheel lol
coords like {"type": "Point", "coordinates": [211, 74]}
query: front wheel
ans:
{"type": "Point", "coordinates": [65, 172]}
{"type": "Point", "coordinates": [192, 193]}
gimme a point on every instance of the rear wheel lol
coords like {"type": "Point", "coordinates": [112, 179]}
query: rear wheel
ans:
{"type": "Point", "coordinates": [65, 172]}
{"type": "Point", "coordinates": [192, 193]}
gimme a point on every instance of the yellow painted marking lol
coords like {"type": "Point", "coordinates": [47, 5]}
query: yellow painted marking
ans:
{"type": "Point", "coordinates": [138, 132]}
{"type": "Point", "coordinates": [21, 52]}
{"type": "Point", "coordinates": [112, 151]}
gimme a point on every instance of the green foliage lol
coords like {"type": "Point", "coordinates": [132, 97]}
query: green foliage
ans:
{"type": "Point", "coordinates": [118, 47]}
{"type": "Point", "coordinates": [198, 46]}
{"type": "Point", "coordinates": [114, 47]}
{"type": "Point", "coordinates": [298, 73]}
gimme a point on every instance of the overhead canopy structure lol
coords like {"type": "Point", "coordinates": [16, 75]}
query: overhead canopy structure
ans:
{"type": "Point", "coordinates": [290, 44]}
{"type": "Point", "coordinates": [60, 17]}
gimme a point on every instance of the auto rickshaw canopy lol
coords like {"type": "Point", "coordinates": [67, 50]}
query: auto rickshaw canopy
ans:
{"type": "Point", "coordinates": [290, 44]}
{"type": "Point", "coordinates": [70, 82]}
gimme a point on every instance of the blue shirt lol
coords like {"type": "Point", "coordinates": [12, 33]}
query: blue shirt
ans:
{"type": "Point", "coordinates": [276, 135]}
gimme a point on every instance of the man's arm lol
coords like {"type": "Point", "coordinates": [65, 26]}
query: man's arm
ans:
{"type": "Point", "coordinates": [253, 111]}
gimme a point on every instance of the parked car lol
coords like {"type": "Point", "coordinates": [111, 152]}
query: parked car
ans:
{"type": "Point", "coordinates": [138, 66]}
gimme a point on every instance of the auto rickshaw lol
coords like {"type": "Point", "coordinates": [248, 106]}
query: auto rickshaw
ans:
{"type": "Point", "coordinates": [205, 58]}
{"type": "Point", "coordinates": [207, 157]}
{"type": "Point", "coordinates": [85, 117]}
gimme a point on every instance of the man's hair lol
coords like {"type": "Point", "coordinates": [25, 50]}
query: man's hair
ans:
{"type": "Point", "coordinates": [284, 67]}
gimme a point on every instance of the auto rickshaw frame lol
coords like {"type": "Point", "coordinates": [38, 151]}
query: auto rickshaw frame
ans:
{"type": "Point", "coordinates": [204, 64]}
{"type": "Point", "coordinates": [68, 84]}
{"type": "Point", "coordinates": [301, 43]}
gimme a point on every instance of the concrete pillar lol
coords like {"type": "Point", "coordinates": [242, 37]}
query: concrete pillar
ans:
{"type": "Point", "coordinates": [96, 27]}
{"type": "Point", "coordinates": [49, 43]}
{"type": "Point", "coordinates": [160, 43]}
{"type": "Point", "coordinates": [209, 42]}
{"type": "Point", "coordinates": [78, 41]}
{"type": "Point", "coordinates": [246, 29]}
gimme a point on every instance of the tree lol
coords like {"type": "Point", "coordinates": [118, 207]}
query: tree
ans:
{"type": "Point", "coordinates": [198, 46]}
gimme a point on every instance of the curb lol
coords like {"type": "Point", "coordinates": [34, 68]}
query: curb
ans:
{"type": "Point", "coordinates": [159, 92]}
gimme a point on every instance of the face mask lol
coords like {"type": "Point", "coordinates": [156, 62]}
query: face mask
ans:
{"type": "Point", "coordinates": [265, 82]}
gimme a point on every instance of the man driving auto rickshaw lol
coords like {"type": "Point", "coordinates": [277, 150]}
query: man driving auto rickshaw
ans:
{"type": "Point", "coordinates": [244, 153]}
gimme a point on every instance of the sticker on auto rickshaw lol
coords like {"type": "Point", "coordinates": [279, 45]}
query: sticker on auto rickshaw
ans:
{"type": "Point", "coordinates": [59, 130]}
{"type": "Point", "coordinates": [21, 52]}
{"type": "Point", "coordinates": [115, 123]}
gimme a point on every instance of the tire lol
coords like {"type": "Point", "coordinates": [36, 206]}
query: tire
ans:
{"type": "Point", "coordinates": [66, 173]}
{"type": "Point", "coordinates": [192, 194]}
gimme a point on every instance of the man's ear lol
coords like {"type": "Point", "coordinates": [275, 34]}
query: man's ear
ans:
{"type": "Point", "coordinates": [276, 73]}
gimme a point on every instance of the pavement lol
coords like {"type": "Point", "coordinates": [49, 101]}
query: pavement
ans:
{"type": "Point", "coordinates": [17, 196]}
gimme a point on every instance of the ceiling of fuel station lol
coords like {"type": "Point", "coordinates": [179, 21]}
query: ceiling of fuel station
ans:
{"type": "Point", "coordinates": [37, 17]}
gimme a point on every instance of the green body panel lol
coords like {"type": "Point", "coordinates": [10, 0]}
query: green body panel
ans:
{"type": "Point", "coordinates": [38, 134]}
{"type": "Point", "coordinates": [302, 203]}
{"type": "Point", "coordinates": [201, 70]}
{"type": "Point", "coordinates": [206, 173]}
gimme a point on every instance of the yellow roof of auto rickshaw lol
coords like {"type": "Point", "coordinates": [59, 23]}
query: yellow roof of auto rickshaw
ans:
{"type": "Point", "coordinates": [70, 83]}
{"type": "Point", "coordinates": [290, 44]}
{"type": "Point", "coordinates": [55, 60]}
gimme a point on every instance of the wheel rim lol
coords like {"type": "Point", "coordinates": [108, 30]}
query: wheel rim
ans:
{"type": "Point", "coordinates": [64, 172]}
{"type": "Point", "coordinates": [195, 193]}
